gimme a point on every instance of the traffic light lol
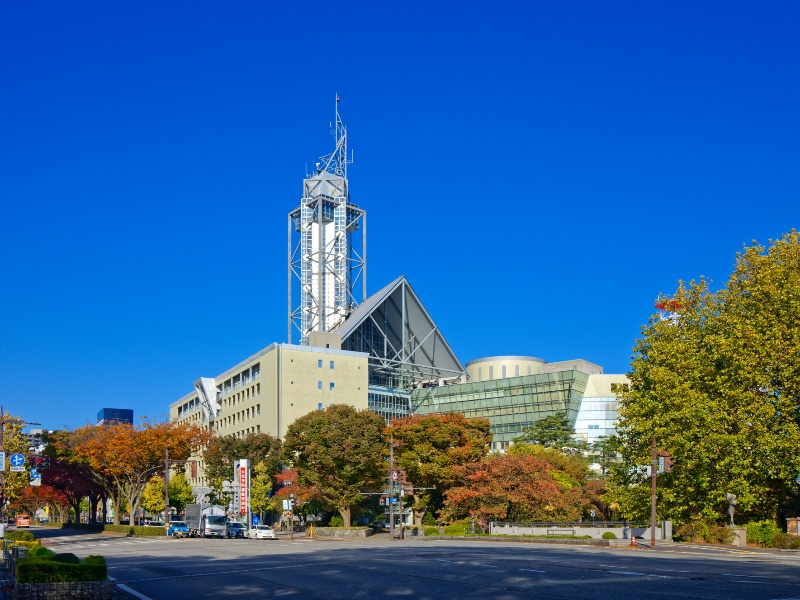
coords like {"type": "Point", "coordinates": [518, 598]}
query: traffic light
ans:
{"type": "Point", "coordinates": [38, 461]}
{"type": "Point", "coordinates": [46, 462]}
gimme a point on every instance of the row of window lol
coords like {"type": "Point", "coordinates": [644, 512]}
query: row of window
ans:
{"type": "Point", "coordinates": [319, 385]}
{"type": "Point", "coordinates": [244, 395]}
{"type": "Point", "coordinates": [242, 415]}
{"type": "Point", "coordinates": [503, 371]}
{"type": "Point", "coordinates": [320, 361]}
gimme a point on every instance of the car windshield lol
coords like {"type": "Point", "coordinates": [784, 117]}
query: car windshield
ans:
{"type": "Point", "coordinates": [215, 520]}
{"type": "Point", "coordinates": [236, 526]}
{"type": "Point", "coordinates": [178, 524]}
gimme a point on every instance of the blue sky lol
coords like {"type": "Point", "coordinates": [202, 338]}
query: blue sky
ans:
{"type": "Point", "coordinates": [540, 172]}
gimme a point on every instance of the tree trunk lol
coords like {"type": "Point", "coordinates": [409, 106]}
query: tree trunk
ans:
{"type": "Point", "coordinates": [345, 512]}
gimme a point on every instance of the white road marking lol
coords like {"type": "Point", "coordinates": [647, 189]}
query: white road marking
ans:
{"type": "Point", "coordinates": [533, 570]}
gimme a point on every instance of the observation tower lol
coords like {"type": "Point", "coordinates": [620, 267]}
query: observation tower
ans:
{"type": "Point", "coordinates": [326, 260]}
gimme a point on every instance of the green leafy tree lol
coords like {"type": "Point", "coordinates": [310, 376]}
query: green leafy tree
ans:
{"type": "Point", "coordinates": [180, 492]}
{"type": "Point", "coordinates": [554, 431]}
{"type": "Point", "coordinates": [717, 384]}
{"type": "Point", "coordinates": [153, 495]}
{"type": "Point", "coordinates": [339, 451]}
{"type": "Point", "coordinates": [222, 452]}
{"type": "Point", "coordinates": [261, 485]}
{"type": "Point", "coordinates": [431, 446]}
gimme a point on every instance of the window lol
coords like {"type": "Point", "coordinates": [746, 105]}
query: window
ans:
{"type": "Point", "coordinates": [331, 364]}
{"type": "Point", "coordinates": [491, 372]}
{"type": "Point", "coordinates": [529, 369]}
{"type": "Point", "coordinates": [319, 363]}
{"type": "Point", "coordinates": [332, 386]}
{"type": "Point", "coordinates": [319, 385]}
{"type": "Point", "coordinates": [480, 374]}
{"type": "Point", "coordinates": [594, 426]}
{"type": "Point", "coordinates": [516, 370]}
{"type": "Point", "coordinates": [504, 372]}
{"type": "Point", "coordinates": [319, 405]}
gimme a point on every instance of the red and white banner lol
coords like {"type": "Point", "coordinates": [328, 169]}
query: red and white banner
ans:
{"type": "Point", "coordinates": [242, 491]}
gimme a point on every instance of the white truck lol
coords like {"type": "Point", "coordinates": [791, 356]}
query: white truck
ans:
{"type": "Point", "coordinates": [206, 520]}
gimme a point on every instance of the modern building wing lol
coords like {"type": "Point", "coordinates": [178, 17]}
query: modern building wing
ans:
{"type": "Point", "coordinates": [406, 349]}
{"type": "Point", "coordinates": [514, 392]}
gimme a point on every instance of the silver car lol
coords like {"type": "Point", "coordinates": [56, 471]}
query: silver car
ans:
{"type": "Point", "coordinates": [261, 532]}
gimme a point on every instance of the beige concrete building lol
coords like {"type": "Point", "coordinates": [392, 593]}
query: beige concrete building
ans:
{"type": "Point", "coordinates": [266, 392]}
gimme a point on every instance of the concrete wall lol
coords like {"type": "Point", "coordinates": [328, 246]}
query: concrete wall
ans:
{"type": "Point", "coordinates": [623, 532]}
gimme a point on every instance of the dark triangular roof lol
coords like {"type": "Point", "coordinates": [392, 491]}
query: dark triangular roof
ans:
{"type": "Point", "coordinates": [409, 338]}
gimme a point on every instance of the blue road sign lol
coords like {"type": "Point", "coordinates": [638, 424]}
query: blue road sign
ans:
{"type": "Point", "coordinates": [17, 460]}
{"type": "Point", "coordinates": [35, 474]}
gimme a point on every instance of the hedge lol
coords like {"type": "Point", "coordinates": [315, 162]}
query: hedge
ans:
{"type": "Point", "coordinates": [24, 544]}
{"type": "Point", "coordinates": [130, 530]}
{"type": "Point", "coordinates": [23, 536]}
{"type": "Point", "coordinates": [431, 531]}
{"type": "Point", "coordinates": [55, 570]}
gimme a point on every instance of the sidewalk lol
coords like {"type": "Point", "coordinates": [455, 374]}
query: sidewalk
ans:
{"type": "Point", "coordinates": [6, 584]}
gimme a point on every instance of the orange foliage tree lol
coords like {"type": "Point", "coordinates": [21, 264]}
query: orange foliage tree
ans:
{"type": "Point", "coordinates": [129, 456]}
{"type": "Point", "coordinates": [430, 447]}
{"type": "Point", "coordinates": [515, 488]}
{"type": "Point", "coordinates": [34, 497]}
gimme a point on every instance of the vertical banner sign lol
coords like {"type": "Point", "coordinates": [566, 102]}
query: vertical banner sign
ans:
{"type": "Point", "coordinates": [242, 491]}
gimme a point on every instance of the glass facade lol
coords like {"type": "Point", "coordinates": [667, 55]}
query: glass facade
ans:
{"type": "Point", "coordinates": [389, 403]}
{"type": "Point", "coordinates": [596, 418]}
{"type": "Point", "coordinates": [511, 404]}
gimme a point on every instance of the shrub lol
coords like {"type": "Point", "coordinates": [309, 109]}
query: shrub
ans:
{"type": "Point", "coordinates": [24, 544]}
{"type": "Point", "coordinates": [431, 531]}
{"type": "Point", "coordinates": [455, 529]}
{"type": "Point", "coordinates": [41, 552]}
{"type": "Point", "coordinates": [50, 570]}
{"type": "Point", "coordinates": [428, 518]}
{"type": "Point", "coordinates": [785, 540]}
{"type": "Point", "coordinates": [336, 521]}
{"type": "Point", "coordinates": [706, 531]}
{"type": "Point", "coordinates": [609, 535]}
{"type": "Point", "coordinates": [762, 532]}
{"type": "Point", "coordinates": [23, 536]}
{"type": "Point", "coordinates": [67, 558]}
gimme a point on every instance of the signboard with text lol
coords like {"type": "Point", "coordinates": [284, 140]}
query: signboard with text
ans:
{"type": "Point", "coordinates": [242, 491]}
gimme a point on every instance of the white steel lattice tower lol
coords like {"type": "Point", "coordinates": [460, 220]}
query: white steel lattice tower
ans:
{"type": "Point", "coordinates": [322, 258]}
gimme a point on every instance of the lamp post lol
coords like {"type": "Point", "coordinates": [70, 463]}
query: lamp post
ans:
{"type": "Point", "coordinates": [3, 422]}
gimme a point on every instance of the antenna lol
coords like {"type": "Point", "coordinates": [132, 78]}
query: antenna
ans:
{"type": "Point", "coordinates": [336, 162]}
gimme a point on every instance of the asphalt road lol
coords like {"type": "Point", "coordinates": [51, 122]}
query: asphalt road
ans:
{"type": "Point", "coordinates": [195, 569]}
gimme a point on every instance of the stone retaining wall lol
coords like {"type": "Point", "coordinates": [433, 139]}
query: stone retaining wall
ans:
{"type": "Point", "coordinates": [84, 590]}
{"type": "Point", "coordinates": [342, 532]}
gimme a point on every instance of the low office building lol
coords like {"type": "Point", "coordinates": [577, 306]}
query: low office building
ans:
{"type": "Point", "coordinates": [266, 392]}
{"type": "Point", "coordinates": [514, 392]}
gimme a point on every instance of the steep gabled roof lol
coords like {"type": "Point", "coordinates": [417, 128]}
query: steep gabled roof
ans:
{"type": "Point", "coordinates": [394, 326]}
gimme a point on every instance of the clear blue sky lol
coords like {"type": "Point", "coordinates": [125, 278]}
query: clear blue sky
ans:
{"type": "Point", "coordinates": [540, 171]}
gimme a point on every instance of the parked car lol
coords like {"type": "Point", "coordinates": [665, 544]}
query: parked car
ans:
{"type": "Point", "coordinates": [261, 532]}
{"type": "Point", "coordinates": [236, 530]}
{"type": "Point", "coordinates": [155, 524]}
{"type": "Point", "coordinates": [178, 529]}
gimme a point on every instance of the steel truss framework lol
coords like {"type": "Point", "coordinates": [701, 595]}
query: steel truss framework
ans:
{"type": "Point", "coordinates": [322, 257]}
{"type": "Point", "coordinates": [406, 349]}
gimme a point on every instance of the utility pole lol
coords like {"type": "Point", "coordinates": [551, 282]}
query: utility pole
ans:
{"type": "Point", "coordinates": [391, 489]}
{"type": "Point", "coordinates": [653, 474]}
{"type": "Point", "coordinates": [166, 487]}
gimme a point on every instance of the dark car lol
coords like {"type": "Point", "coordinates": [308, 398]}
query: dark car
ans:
{"type": "Point", "coordinates": [236, 530]}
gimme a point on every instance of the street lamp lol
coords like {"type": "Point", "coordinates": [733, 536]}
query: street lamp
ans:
{"type": "Point", "coordinates": [3, 422]}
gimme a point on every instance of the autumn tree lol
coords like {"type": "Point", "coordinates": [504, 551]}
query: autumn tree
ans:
{"type": "Point", "coordinates": [153, 495]}
{"type": "Point", "coordinates": [513, 487]}
{"type": "Point", "coordinates": [429, 447]}
{"type": "Point", "coordinates": [180, 492]}
{"type": "Point", "coordinates": [73, 480]}
{"type": "Point", "coordinates": [130, 455]}
{"type": "Point", "coordinates": [339, 451]}
{"type": "Point", "coordinates": [717, 383]}
{"type": "Point", "coordinates": [307, 499]}
{"type": "Point", "coordinates": [222, 452]}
